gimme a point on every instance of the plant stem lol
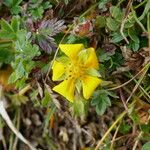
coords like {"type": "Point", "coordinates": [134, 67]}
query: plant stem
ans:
{"type": "Point", "coordinates": [137, 20]}
{"type": "Point", "coordinates": [117, 87]}
{"type": "Point", "coordinates": [140, 4]}
{"type": "Point", "coordinates": [113, 125]}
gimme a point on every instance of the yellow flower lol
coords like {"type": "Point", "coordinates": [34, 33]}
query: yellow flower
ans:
{"type": "Point", "coordinates": [78, 67]}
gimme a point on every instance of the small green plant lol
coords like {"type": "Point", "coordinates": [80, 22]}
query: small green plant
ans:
{"type": "Point", "coordinates": [14, 6]}
{"type": "Point", "coordinates": [36, 8]}
{"type": "Point", "coordinates": [23, 51]}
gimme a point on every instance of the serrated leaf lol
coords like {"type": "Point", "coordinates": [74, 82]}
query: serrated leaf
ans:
{"type": "Point", "coordinates": [15, 10]}
{"type": "Point", "coordinates": [7, 35]}
{"type": "Point", "coordinates": [7, 51]}
{"type": "Point", "coordinates": [15, 24]}
{"type": "Point", "coordinates": [101, 101]}
{"type": "Point", "coordinates": [124, 128]}
{"type": "Point", "coordinates": [16, 2]}
{"type": "Point", "coordinates": [6, 26]}
{"type": "Point", "coordinates": [47, 5]}
{"type": "Point", "coordinates": [8, 3]}
{"type": "Point", "coordinates": [103, 104]}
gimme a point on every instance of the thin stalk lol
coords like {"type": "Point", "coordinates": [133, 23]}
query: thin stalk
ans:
{"type": "Point", "coordinates": [137, 141]}
{"type": "Point", "coordinates": [142, 89]}
{"type": "Point", "coordinates": [114, 137]}
{"type": "Point", "coordinates": [119, 3]}
{"type": "Point", "coordinates": [109, 130]}
{"type": "Point", "coordinates": [137, 20]}
{"type": "Point", "coordinates": [17, 127]}
{"type": "Point", "coordinates": [120, 117]}
{"type": "Point", "coordinates": [148, 29]}
{"type": "Point", "coordinates": [137, 85]}
{"type": "Point", "coordinates": [122, 85]}
{"type": "Point", "coordinates": [24, 90]}
{"type": "Point", "coordinates": [4, 143]}
{"type": "Point", "coordinates": [139, 5]}
{"type": "Point", "coordinates": [11, 141]}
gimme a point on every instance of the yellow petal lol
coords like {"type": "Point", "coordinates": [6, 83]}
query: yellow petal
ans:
{"type": "Point", "coordinates": [89, 84]}
{"type": "Point", "coordinates": [58, 70]}
{"type": "Point", "coordinates": [66, 88]}
{"type": "Point", "coordinates": [71, 50]}
{"type": "Point", "coordinates": [92, 60]}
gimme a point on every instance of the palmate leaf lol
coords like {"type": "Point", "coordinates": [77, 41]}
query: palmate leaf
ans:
{"type": "Point", "coordinates": [9, 30]}
{"type": "Point", "coordinates": [101, 100]}
{"type": "Point", "coordinates": [7, 51]}
{"type": "Point", "coordinates": [47, 29]}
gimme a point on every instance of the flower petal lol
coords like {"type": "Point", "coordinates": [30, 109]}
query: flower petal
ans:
{"type": "Point", "coordinates": [71, 50]}
{"type": "Point", "coordinates": [58, 70]}
{"type": "Point", "coordinates": [89, 84]}
{"type": "Point", "coordinates": [92, 61]}
{"type": "Point", "coordinates": [66, 88]}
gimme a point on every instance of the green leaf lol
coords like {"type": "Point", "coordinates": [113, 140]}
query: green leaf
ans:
{"type": "Point", "coordinates": [100, 21]}
{"type": "Point", "coordinates": [146, 146]}
{"type": "Point", "coordinates": [112, 24]}
{"type": "Point", "coordinates": [6, 26]}
{"type": "Point", "coordinates": [37, 13]}
{"type": "Point", "coordinates": [103, 104]}
{"type": "Point", "coordinates": [145, 128]}
{"type": "Point", "coordinates": [135, 117]}
{"type": "Point", "coordinates": [133, 35]}
{"type": "Point", "coordinates": [101, 101]}
{"type": "Point", "coordinates": [18, 99]}
{"type": "Point", "coordinates": [12, 78]}
{"type": "Point", "coordinates": [124, 128]}
{"type": "Point", "coordinates": [7, 51]}
{"type": "Point", "coordinates": [93, 72]}
{"type": "Point", "coordinates": [134, 46]}
{"type": "Point", "coordinates": [116, 13]}
{"type": "Point", "coordinates": [47, 5]}
{"type": "Point", "coordinates": [103, 56]}
{"type": "Point", "coordinates": [8, 3]}
{"type": "Point", "coordinates": [102, 4]}
{"type": "Point", "coordinates": [15, 24]}
{"type": "Point", "coordinates": [15, 10]}
{"type": "Point", "coordinates": [47, 98]}
{"type": "Point", "coordinates": [16, 2]}
{"type": "Point", "coordinates": [78, 107]}
{"type": "Point", "coordinates": [117, 37]}
{"type": "Point", "coordinates": [78, 85]}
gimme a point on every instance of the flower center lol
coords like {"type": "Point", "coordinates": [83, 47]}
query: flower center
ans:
{"type": "Point", "coordinates": [75, 70]}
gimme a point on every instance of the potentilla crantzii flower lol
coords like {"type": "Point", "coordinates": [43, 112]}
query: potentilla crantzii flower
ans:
{"type": "Point", "coordinates": [77, 69]}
